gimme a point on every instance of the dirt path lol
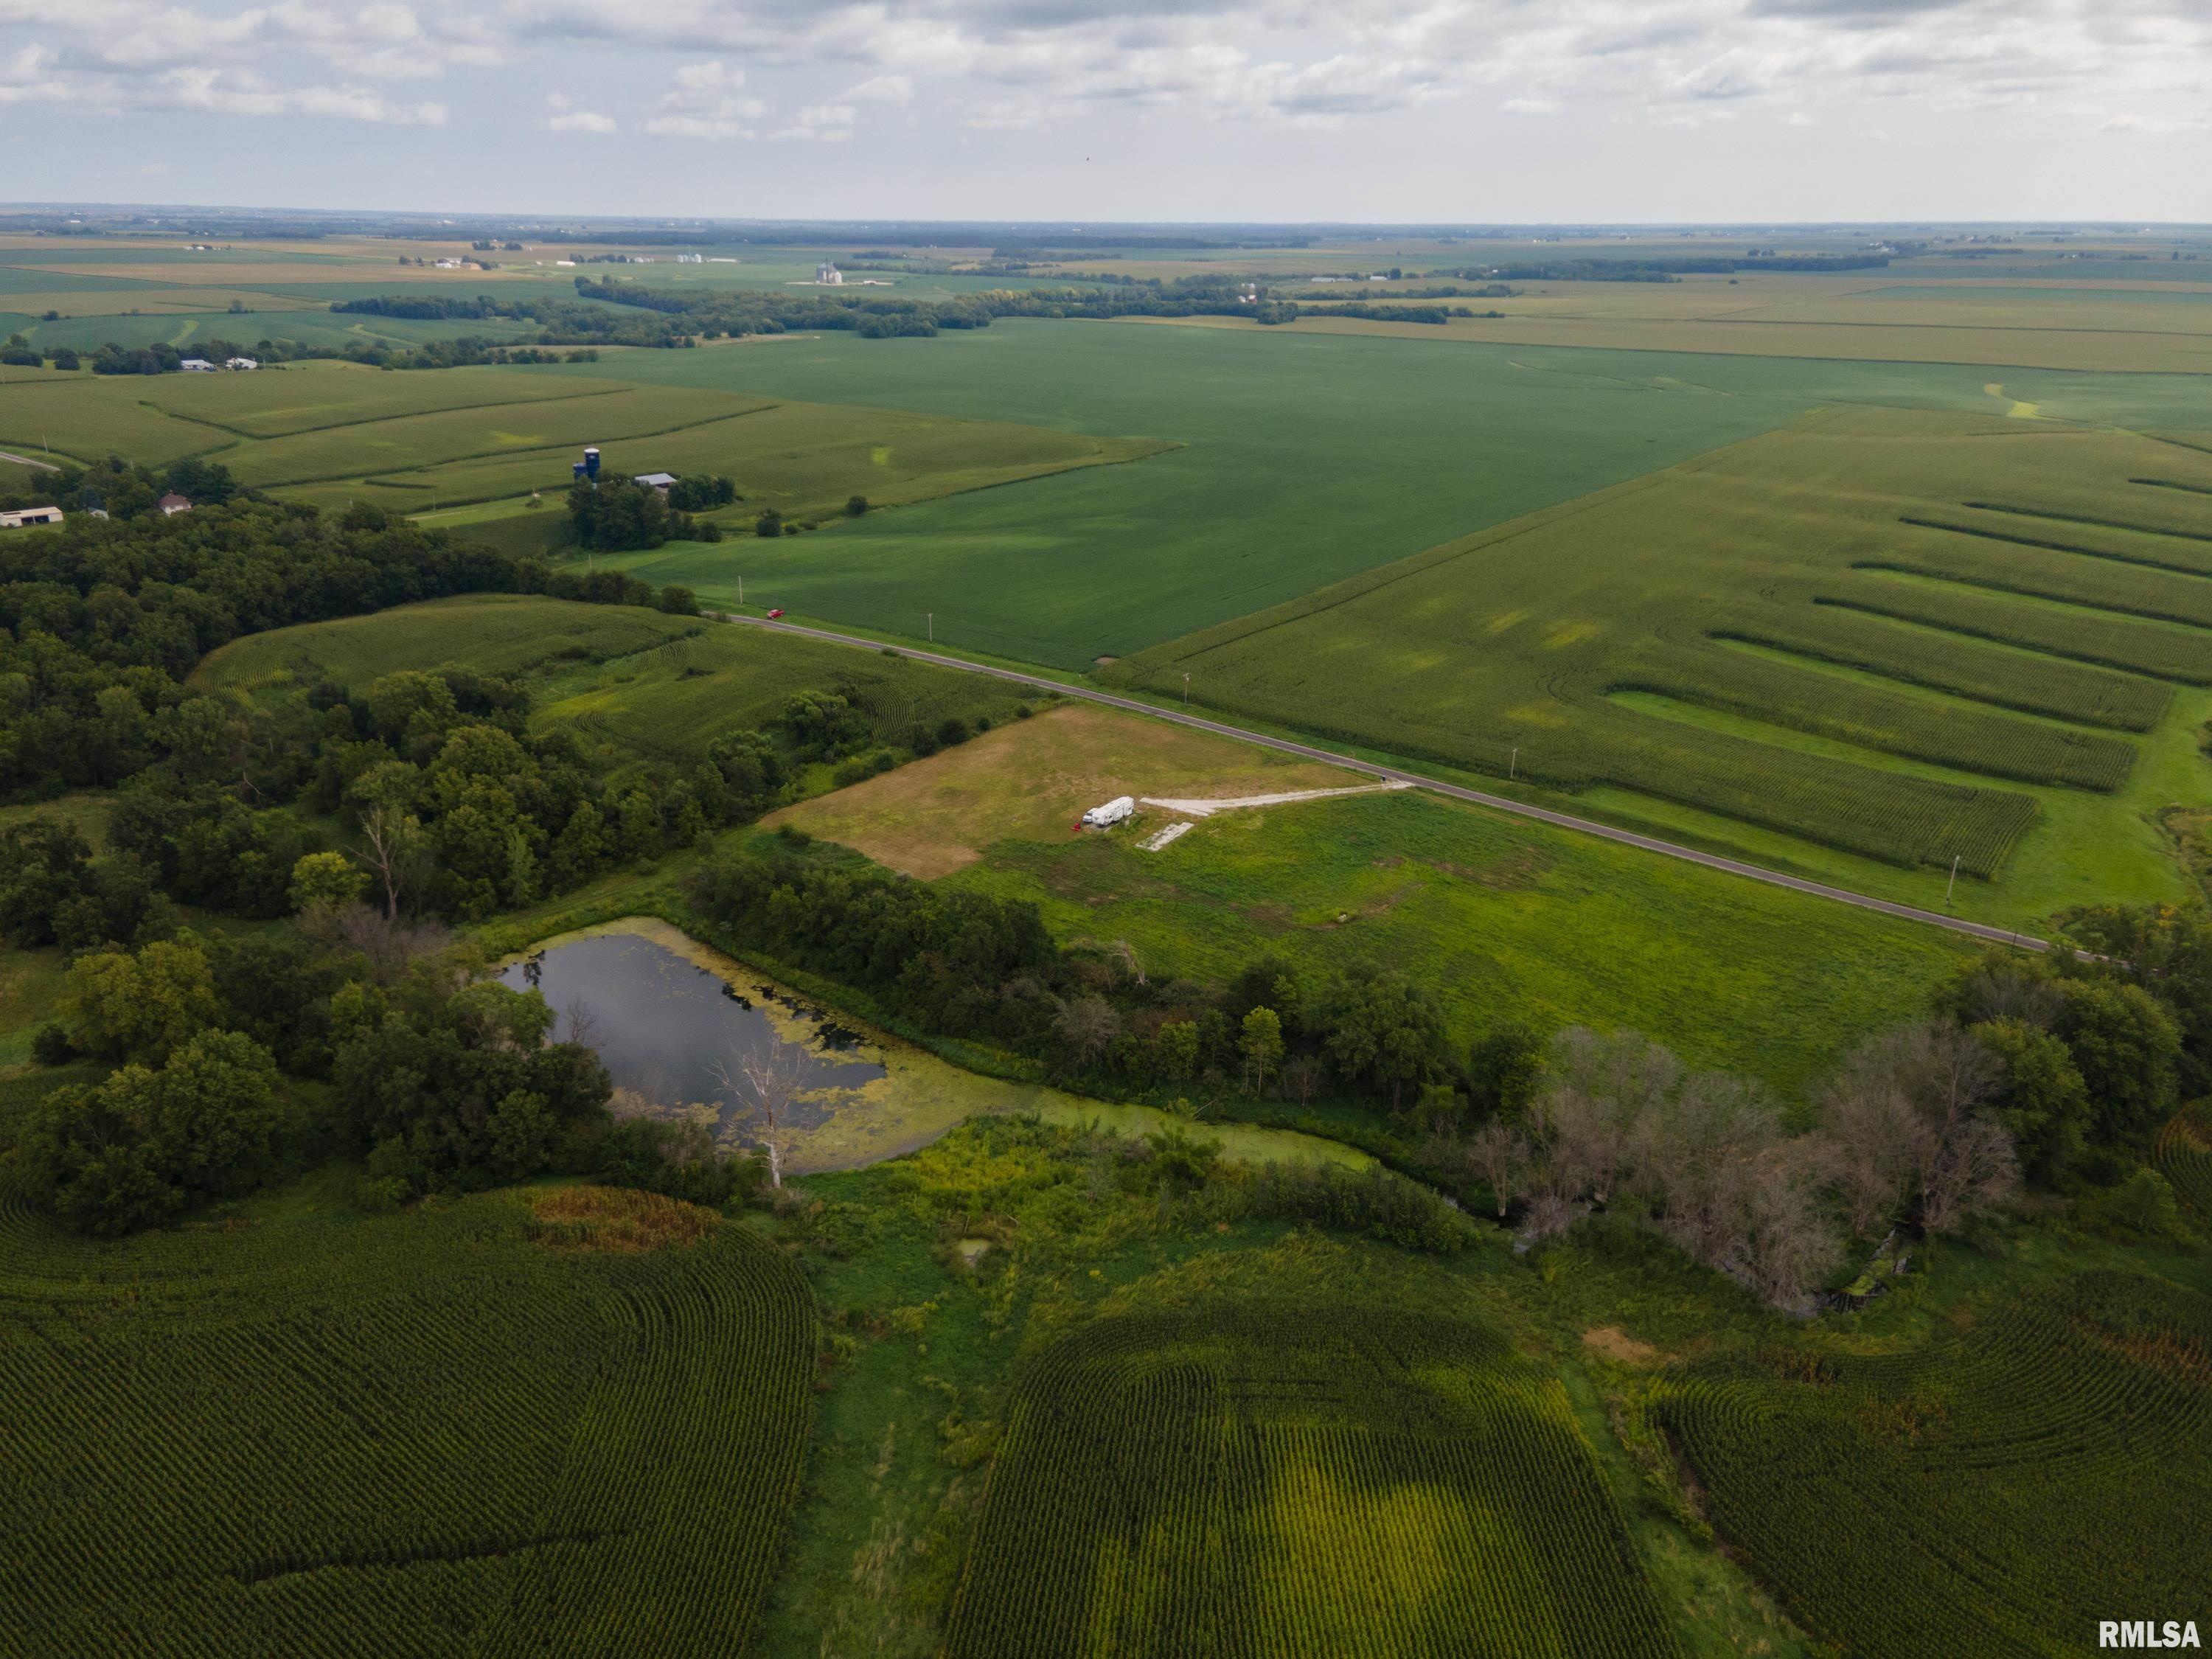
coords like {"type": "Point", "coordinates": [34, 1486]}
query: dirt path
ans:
{"type": "Point", "coordinates": [1207, 808]}
{"type": "Point", "coordinates": [28, 460]}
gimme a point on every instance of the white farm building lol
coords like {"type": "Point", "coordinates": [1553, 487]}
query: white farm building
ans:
{"type": "Point", "coordinates": [1116, 811]}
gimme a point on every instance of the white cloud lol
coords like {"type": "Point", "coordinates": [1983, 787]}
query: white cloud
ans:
{"type": "Point", "coordinates": [582, 120]}
{"type": "Point", "coordinates": [1020, 64]}
{"type": "Point", "coordinates": [884, 89]}
{"type": "Point", "coordinates": [708, 102]}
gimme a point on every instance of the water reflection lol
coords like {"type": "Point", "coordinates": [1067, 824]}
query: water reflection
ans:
{"type": "Point", "coordinates": [661, 1024]}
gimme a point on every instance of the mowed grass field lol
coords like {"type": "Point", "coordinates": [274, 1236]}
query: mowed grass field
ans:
{"type": "Point", "coordinates": [1305, 459]}
{"type": "Point", "coordinates": [462, 1430]}
{"type": "Point", "coordinates": [1501, 919]}
{"type": "Point", "coordinates": [631, 684]}
{"type": "Point", "coordinates": [1906, 637]}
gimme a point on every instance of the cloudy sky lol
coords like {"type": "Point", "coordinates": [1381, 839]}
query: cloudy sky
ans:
{"type": "Point", "coordinates": [1361, 110]}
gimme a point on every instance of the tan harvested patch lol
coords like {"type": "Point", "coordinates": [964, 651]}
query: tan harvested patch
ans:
{"type": "Point", "coordinates": [616, 1220]}
{"type": "Point", "coordinates": [1616, 1344]}
{"type": "Point", "coordinates": [1029, 780]}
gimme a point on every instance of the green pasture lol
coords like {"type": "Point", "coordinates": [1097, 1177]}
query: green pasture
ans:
{"type": "Point", "coordinates": [1724, 637]}
{"type": "Point", "coordinates": [1306, 459]}
{"type": "Point", "coordinates": [630, 683]}
{"type": "Point", "coordinates": [1502, 921]}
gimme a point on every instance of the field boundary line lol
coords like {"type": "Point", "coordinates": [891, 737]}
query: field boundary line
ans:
{"type": "Point", "coordinates": [1456, 792]}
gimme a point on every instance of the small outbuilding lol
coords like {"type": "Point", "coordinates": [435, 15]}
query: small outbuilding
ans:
{"type": "Point", "coordinates": [197, 366]}
{"type": "Point", "coordinates": [173, 504]}
{"type": "Point", "coordinates": [659, 481]}
{"type": "Point", "coordinates": [30, 516]}
{"type": "Point", "coordinates": [243, 362]}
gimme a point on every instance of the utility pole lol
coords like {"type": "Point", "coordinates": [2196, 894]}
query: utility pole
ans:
{"type": "Point", "coordinates": [1954, 882]}
{"type": "Point", "coordinates": [932, 615]}
{"type": "Point", "coordinates": [1186, 690]}
{"type": "Point", "coordinates": [741, 590]}
{"type": "Point", "coordinates": [1513, 767]}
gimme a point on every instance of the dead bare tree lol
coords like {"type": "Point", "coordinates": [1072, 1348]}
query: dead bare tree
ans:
{"type": "Point", "coordinates": [760, 1080]}
{"type": "Point", "coordinates": [389, 942]}
{"type": "Point", "coordinates": [1088, 1026]}
{"type": "Point", "coordinates": [1499, 1153]}
{"type": "Point", "coordinates": [578, 1023]}
{"type": "Point", "coordinates": [397, 853]}
{"type": "Point", "coordinates": [1906, 1125]}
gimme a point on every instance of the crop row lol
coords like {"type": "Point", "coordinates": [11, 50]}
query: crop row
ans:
{"type": "Point", "coordinates": [2005, 679]}
{"type": "Point", "coordinates": [1996, 1495]}
{"type": "Point", "coordinates": [1896, 722]}
{"type": "Point", "coordinates": [1890, 816]}
{"type": "Point", "coordinates": [1292, 1480]}
{"type": "Point", "coordinates": [422, 1434]}
{"type": "Point", "coordinates": [2185, 1159]}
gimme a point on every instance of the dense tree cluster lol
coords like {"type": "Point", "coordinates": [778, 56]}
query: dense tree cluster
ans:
{"type": "Point", "coordinates": [439, 1079]}
{"type": "Point", "coordinates": [615, 515]}
{"type": "Point", "coordinates": [101, 621]}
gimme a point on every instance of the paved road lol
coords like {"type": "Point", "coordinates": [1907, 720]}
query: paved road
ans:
{"type": "Point", "coordinates": [1496, 802]}
{"type": "Point", "coordinates": [28, 460]}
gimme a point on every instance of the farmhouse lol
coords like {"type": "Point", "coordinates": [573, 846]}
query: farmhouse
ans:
{"type": "Point", "coordinates": [173, 504]}
{"type": "Point", "coordinates": [659, 481]}
{"type": "Point", "coordinates": [28, 515]}
{"type": "Point", "coordinates": [197, 366]}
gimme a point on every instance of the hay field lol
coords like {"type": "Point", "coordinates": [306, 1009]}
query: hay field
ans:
{"type": "Point", "coordinates": [1899, 636]}
{"type": "Point", "coordinates": [1030, 781]}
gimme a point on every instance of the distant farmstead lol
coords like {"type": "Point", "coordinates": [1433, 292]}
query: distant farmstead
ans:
{"type": "Point", "coordinates": [197, 366]}
{"type": "Point", "coordinates": [242, 363]}
{"type": "Point", "coordinates": [30, 516]}
{"type": "Point", "coordinates": [828, 276]}
{"type": "Point", "coordinates": [171, 505]}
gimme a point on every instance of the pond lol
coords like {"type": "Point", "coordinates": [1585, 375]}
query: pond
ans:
{"type": "Point", "coordinates": [663, 1011]}
{"type": "Point", "coordinates": [668, 1026]}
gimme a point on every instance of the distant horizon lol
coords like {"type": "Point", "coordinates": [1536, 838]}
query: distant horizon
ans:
{"type": "Point", "coordinates": [1077, 226]}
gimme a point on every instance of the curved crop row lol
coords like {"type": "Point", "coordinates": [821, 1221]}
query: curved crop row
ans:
{"type": "Point", "coordinates": [421, 1435]}
{"type": "Point", "coordinates": [1285, 1480]}
{"type": "Point", "coordinates": [1997, 1495]}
